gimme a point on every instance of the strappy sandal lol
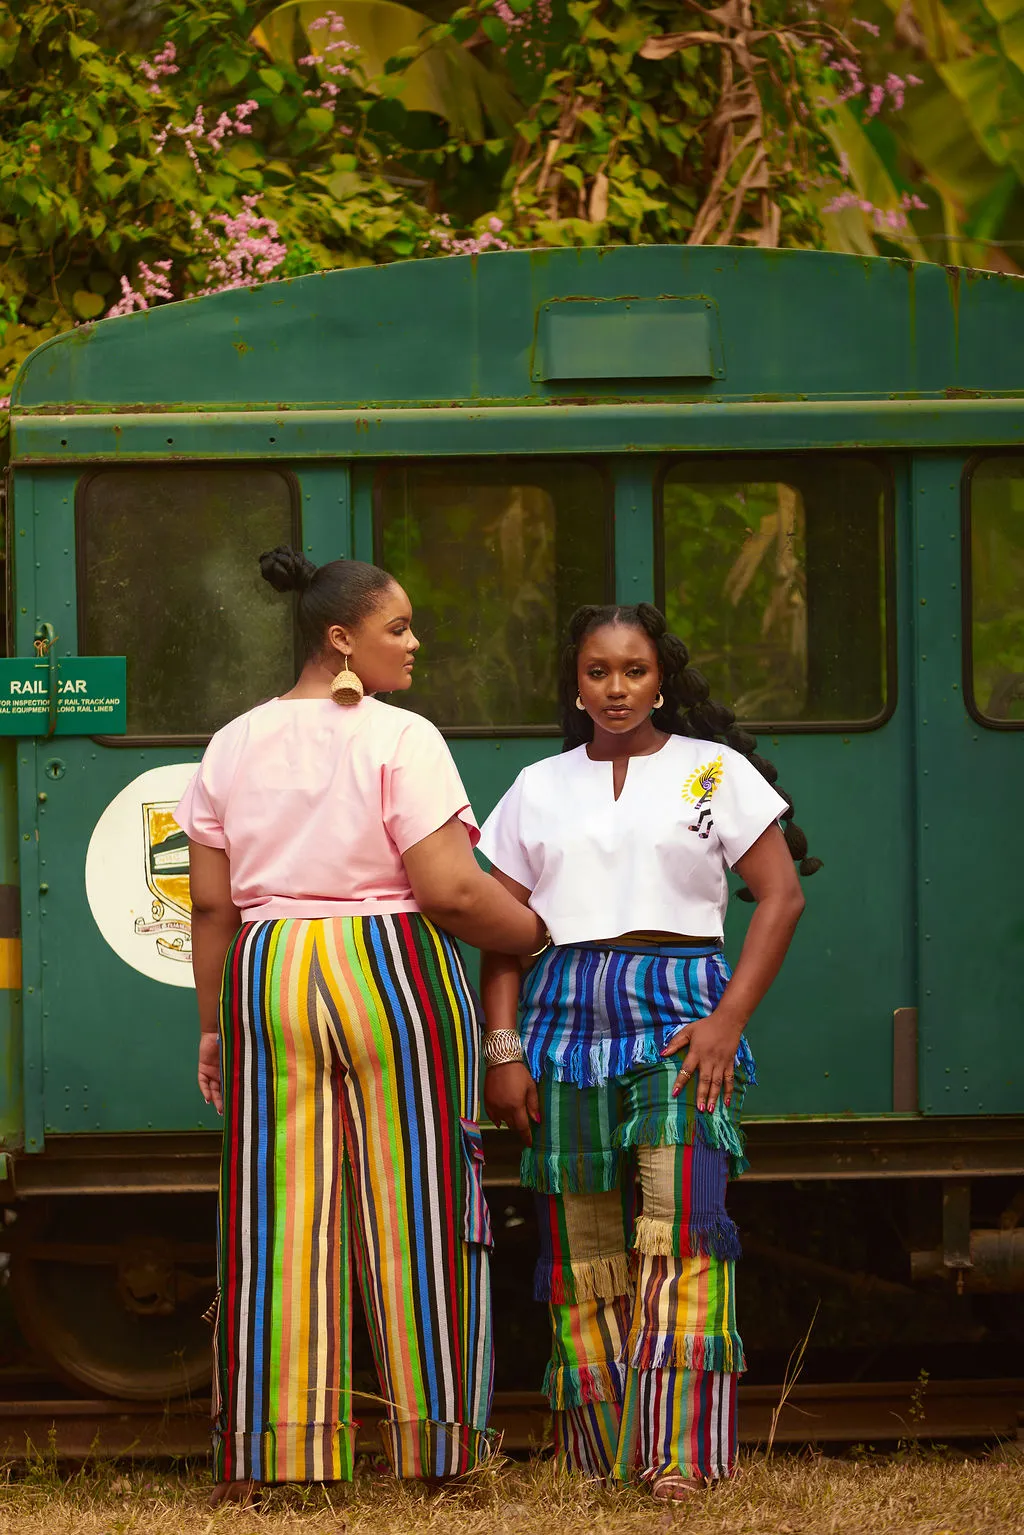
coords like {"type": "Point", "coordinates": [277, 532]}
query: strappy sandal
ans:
{"type": "Point", "coordinates": [674, 1487]}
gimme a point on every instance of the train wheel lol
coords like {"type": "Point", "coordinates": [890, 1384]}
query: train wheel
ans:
{"type": "Point", "coordinates": [111, 1292]}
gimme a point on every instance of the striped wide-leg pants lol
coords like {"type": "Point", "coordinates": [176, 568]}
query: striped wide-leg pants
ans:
{"type": "Point", "coordinates": [645, 1351]}
{"type": "Point", "coordinates": [350, 1069]}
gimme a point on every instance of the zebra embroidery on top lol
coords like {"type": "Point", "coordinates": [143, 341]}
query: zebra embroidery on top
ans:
{"type": "Point", "coordinates": [699, 787]}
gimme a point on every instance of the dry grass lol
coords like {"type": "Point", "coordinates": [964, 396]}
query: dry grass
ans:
{"type": "Point", "coordinates": [912, 1493]}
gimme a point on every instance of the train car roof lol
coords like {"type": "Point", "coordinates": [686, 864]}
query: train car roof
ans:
{"type": "Point", "coordinates": [632, 323]}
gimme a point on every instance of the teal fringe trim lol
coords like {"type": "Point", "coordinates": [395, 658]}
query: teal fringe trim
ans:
{"type": "Point", "coordinates": [594, 1172]}
{"type": "Point", "coordinates": [654, 1351]}
{"type": "Point", "coordinates": [667, 1127]}
{"type": "Point", "coordinates": [574, 1385]}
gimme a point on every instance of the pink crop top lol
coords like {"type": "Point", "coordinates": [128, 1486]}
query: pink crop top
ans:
{"type": "Point", "coordinates": [316, 804]}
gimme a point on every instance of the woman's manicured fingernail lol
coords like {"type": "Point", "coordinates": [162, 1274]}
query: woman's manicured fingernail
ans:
{"type": "Point", "coordinates": [728, 1102]}
{"type": "Point", "coordinates": [701, 1107]}
{"type": "Point", "coordinates": [675, 1091]}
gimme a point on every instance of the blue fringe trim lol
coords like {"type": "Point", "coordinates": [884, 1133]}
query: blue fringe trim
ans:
{"type": "Point", "coordinates": [688, 1351]}
{"type": "Point", "coordinates": [591, 1064]}
{"type": "Point", "coordinates": [667, 1127]}
{"type": "Point", "coordinates": [574, 1385]}
{"type": "Point", "coordinates": [593, 1172]}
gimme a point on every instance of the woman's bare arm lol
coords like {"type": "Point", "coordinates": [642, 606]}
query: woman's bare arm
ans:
{"type": "Point", "coordinates": [452, 890]}
{"type": "Point", "coordinates": [215, 921]}
{"type": "Point", "coordinates": [711, 1042]}
{"type": "Point", "coordinates": [510, 1093]}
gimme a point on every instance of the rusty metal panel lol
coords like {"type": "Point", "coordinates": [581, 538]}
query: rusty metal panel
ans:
{"type": "Point", "coordinates": [812, 323]}
{"type": "Point", "coordinates": [904, 1060]}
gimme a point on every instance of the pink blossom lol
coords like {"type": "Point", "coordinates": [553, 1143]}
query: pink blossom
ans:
{"type": "Point", "coordinates": [154, 286]}
{"type": "Point", "coordinates": [855, 81]}
{"type": "Point", "coordinates": [329, 21]}
{"type": "Point", "coordinates": [162, 63]}
{"type": "Point", "coordinates": [540, 21]}
{"type": "Point", "coordinates": [911, 200]}
{"type": "Point", "coordinates": [876, 98]}
{"type": "Point", "coordinates": [896, 87]}
{"type": "Point", "coordinates": [249, 250]}
{"type": "Point", "coordinates": [885, 220]}
{"type": "Point", "coordinates": [5, 402]}
{"type": "Point", "coordinates": [844, 165]}
{"type": "Point", "coordinates": [869, 26]}
{"type": "Point", "coordinates": [471, 245]}
{"type": "Point", "coordinates": [495, 225]}
{"type": "Point", "coordinates": [914, 80]}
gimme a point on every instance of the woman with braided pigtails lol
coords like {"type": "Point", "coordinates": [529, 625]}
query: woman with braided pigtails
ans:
{"type": "Point", "coordinates": [628, 1061]}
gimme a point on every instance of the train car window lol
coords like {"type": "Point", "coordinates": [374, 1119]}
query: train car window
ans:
{"type": "Point", "coordinates": [169, 577]}
{"type": "Point", "coordinates": [495, 557]}
{"type": "Point", "coordinates": [995, 558]}
{"type": "Point", "coordinates": [776, 572]}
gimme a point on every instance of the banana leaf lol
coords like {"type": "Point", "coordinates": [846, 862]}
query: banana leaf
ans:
{"type": "Point", "coordinates": [444, 79]}
{"type": "Point", "coordinates": [872, 182]}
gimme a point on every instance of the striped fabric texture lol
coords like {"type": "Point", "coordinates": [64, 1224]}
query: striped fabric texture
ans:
{"type": "Point", "coordinates": [589, 1012]}
{"type": "Point", "coordinates": [350, 1069]}
{"type": "Point", "coordinates": [645, 1349]}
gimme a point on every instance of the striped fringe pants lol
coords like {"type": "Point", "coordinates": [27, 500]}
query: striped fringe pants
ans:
{"type": "Point", "coordinates": [646, 1355]}
{"type": "Point", "coordinates": [350, 1069]}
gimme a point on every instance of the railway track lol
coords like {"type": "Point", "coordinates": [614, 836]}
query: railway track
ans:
{"type": "Point", "coordinates": [76, 1429]}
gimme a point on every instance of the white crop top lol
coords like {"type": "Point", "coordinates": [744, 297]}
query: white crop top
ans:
{"type": "Point", "coordinates": [654, 860]}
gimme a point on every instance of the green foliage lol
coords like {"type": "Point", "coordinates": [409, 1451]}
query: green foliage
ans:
{"type": "Point", "coordinates": [574, 122]}
{"type": "Point", "coordinates": [87, 193]}
{"type": "Point", "coordinates": [669, 123]}
{"type": "Point", "coordinates": [437, 75]}
{"type": "Point", "coordinates": [958, 142]}
{"type": "Point", "coordinates": [997, 567]}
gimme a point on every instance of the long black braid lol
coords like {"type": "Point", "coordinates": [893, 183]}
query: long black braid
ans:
{"type": "Point", "coordinates": [687, 710]}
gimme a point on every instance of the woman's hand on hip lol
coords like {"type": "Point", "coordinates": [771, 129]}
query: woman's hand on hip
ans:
{"type": "Point", "coordinates": [510, 1098]}
{"type": "Point", "coordinates": [710, 1044]}
{"type": "Point", "coordinates": [209, 1070]}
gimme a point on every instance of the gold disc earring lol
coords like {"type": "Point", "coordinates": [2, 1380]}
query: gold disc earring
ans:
{"type": "Point", "coordinates": [580, 704]}
{"type": "Point", "coordinates": [346, 689]}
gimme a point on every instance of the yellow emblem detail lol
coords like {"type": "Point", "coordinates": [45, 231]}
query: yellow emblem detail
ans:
{"type": "Point", "coordinates": [703, 783]}
{"type": "Point", "coordinates": [166, 855]}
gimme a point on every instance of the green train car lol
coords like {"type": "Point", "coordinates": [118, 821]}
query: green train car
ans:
{"type": "Point", "coordinates": [814, 462]}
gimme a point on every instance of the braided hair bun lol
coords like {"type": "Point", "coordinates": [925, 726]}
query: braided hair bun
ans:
{"type": "Point", "coordinates": [286, 569]}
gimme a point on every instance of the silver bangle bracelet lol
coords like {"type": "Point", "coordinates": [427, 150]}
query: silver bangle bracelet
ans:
{"type": "Point", "coordinates": [503, 1047]}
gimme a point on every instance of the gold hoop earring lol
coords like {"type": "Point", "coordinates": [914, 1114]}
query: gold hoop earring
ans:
{"type": "Point", "coordinates": [346, 688]}
{"type": "Point", "coordinates": [659, 702]}
{"type": "Point", "coordinates": [580, 704]}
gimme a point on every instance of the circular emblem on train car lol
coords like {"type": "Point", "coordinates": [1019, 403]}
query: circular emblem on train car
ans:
{"type": "Point", "coordinates": [136, 876]}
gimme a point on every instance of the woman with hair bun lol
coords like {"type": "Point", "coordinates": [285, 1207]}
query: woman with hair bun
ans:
{"type": "Point", "coordinates": [630, 1058]}
{"type": "Point", "coordinates": [331, 867]}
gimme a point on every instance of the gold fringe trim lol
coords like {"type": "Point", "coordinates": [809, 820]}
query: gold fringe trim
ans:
{"type": "Point", "coordinates": [656, 1238]}
{"type": "Point", "coordinates": [583, 1279]}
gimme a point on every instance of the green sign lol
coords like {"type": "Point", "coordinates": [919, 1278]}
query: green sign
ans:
{"type": "Point", "coordinates": [84, 696]}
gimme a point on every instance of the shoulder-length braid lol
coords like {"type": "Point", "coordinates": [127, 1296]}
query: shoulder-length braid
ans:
{"type": "Point", "coordinates": [688, 708]}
